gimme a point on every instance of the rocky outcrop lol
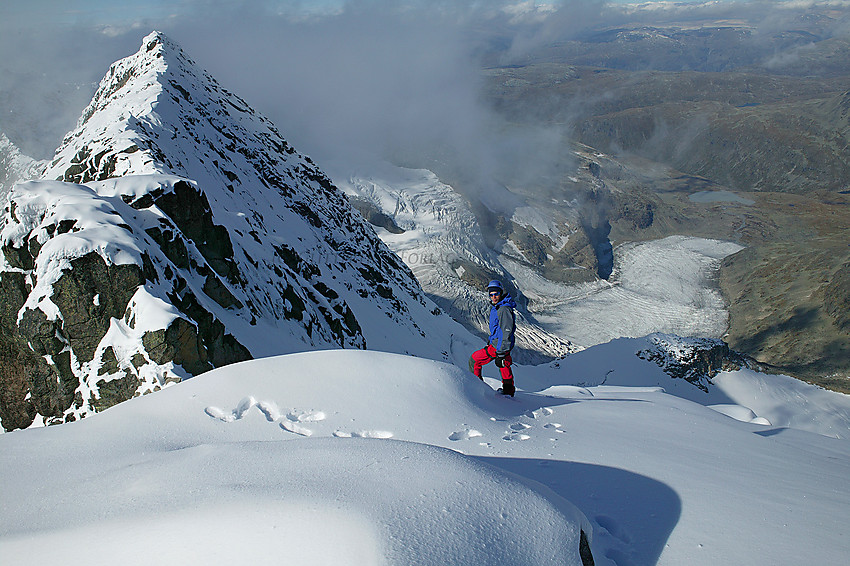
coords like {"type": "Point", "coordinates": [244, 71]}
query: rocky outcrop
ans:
{"type": "Point", "coordinates": [73, 291]}
{"type": "Point", "coordinates": [695, 360]}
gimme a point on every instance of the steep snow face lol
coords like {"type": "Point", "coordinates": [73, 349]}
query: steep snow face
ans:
{"type": "Point", "coordinates": [236, 244]}
{"type": "Point", "coordinates": [15, 166]}
{"type": "Point", "coordinates": [438, 237]}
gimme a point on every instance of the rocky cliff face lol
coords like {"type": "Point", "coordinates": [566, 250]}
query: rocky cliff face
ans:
{"type": "Point", "coordinates": [177, 231]}
{"type": "Point", "coordinates": [695, 360]}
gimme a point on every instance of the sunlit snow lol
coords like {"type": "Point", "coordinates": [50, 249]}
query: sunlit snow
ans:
{"type": "Point", "coordinates": [352, 457]}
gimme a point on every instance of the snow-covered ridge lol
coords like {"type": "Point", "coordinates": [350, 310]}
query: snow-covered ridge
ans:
{"type": "Point", "coordinates": [246, 243]}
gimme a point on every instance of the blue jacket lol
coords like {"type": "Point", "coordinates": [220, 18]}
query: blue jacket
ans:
{"type": "Point", "coordinates": [502, 325]}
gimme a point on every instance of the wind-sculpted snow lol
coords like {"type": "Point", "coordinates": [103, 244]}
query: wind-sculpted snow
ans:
{"type": "Point", "coordinates": [283, 459]}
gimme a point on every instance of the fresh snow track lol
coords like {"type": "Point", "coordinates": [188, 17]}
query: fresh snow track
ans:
{"type": "Point", "coordinates": [350, 446]}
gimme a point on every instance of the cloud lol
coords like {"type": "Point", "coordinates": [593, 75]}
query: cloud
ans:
{"type": "Point", "coordinates": [354, 80]}
{"type": "Point", "coordinates": [375, 80]}
{"type": "Point", "coordinates": [48, 74]}
{"type": "Point", "coordinates": [360, 80]}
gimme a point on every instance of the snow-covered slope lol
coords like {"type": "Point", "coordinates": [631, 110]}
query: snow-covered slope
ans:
{"type": "Point", "coordinates": [233, 245]}
{"type": "Point", "coordinates": [156, 112]}
{"type": "Point", "coordinates": [281, 459]}
{"type": "Point", "coordinates": [15, 166]}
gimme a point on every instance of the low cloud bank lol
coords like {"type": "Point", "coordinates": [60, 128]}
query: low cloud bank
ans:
{"type": "Point", "coordinates": [353, 81]}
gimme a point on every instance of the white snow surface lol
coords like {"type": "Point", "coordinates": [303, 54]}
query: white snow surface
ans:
{"type": "Point", "coordinates": [362, 457]}
{"type": "Point", "coordinates": [15, 166]}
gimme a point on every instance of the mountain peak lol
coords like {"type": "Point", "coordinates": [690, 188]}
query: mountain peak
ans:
{"type": "Point", "coordinates": [157, 40]}
{"type": "Point", "coordinates": [243, 246]}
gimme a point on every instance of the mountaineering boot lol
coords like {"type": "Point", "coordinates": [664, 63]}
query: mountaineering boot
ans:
{"type": "Point", "coordinates": [507, 387]}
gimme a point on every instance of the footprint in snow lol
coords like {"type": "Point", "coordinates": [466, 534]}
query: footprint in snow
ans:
{"type": "Point", "coordinates": [520, 426]}
{"type": "Point", "coordinates": [540, 413]}
{"type": "Point", "coordinates": [306, 416]}
{"type": "Point", "coordinates": [364, 434]}
{"type": "Point", "coordinates": [295, 428]}
{"type": "Point", "coordinates": [269, 409]}
{"type": "Point", "coordinates": [243, 407]}
{"type": "Point", "coordinates": [291, 422]}
{"type": "Point", "coordinates": [514, 436]}
{"type": "Point", "coordinates": [465, 434]}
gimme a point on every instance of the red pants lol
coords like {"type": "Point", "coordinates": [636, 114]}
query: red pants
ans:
{"type": "Point", "coordinates": [485, 355]}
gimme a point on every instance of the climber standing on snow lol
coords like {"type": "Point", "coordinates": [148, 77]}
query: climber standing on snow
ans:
{"type": "Point", "coordinates": [502, 326]}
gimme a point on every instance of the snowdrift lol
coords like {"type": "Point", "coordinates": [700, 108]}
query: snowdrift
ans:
{"type": "Point", "coordinates": [205, 473]}
{"type": "Point", "coordinates": [360, 457]}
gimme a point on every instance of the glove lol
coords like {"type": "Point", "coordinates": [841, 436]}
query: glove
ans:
{"type": "Point", "coordinates": [500, 360]}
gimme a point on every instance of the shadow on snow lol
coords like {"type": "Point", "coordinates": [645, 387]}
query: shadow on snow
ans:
{"type": "Point", "coordinates": [632, 515]}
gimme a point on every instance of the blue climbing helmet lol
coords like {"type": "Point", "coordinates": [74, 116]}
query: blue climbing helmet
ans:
{"type": "Point", "coordinates": [495, 285]}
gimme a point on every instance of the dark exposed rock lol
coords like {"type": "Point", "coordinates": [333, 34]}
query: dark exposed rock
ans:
{"type": "Point", "coordinates": [38, 374]}
{"type": "Point", "coordinates": [115, 389]}
{"type": "Point", "coordinates": [17, 366]}
{"type": "Point", "coordinates": [173, 247]}
{"type": "Point", "coordinates": [584, 551]}
{"type": "Point", "coordinates": [180, 343]}
{"type": "Point", "coordinates": [18, 257]}
{"type": "Point", "coordinates": [374, 216]}
{"type": "Point", "coordinates": [210, 344]}
{"type": "Point", "coordinates": [190, 211]}
{"type": "Point", "coordinates": [18, 363]}
{"type": "Point", "coordinates": [695, 360]}
{"type": "Point", "coordinates": [36, 360]}
{"type": "Point", "coordinates": [89, 295]}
